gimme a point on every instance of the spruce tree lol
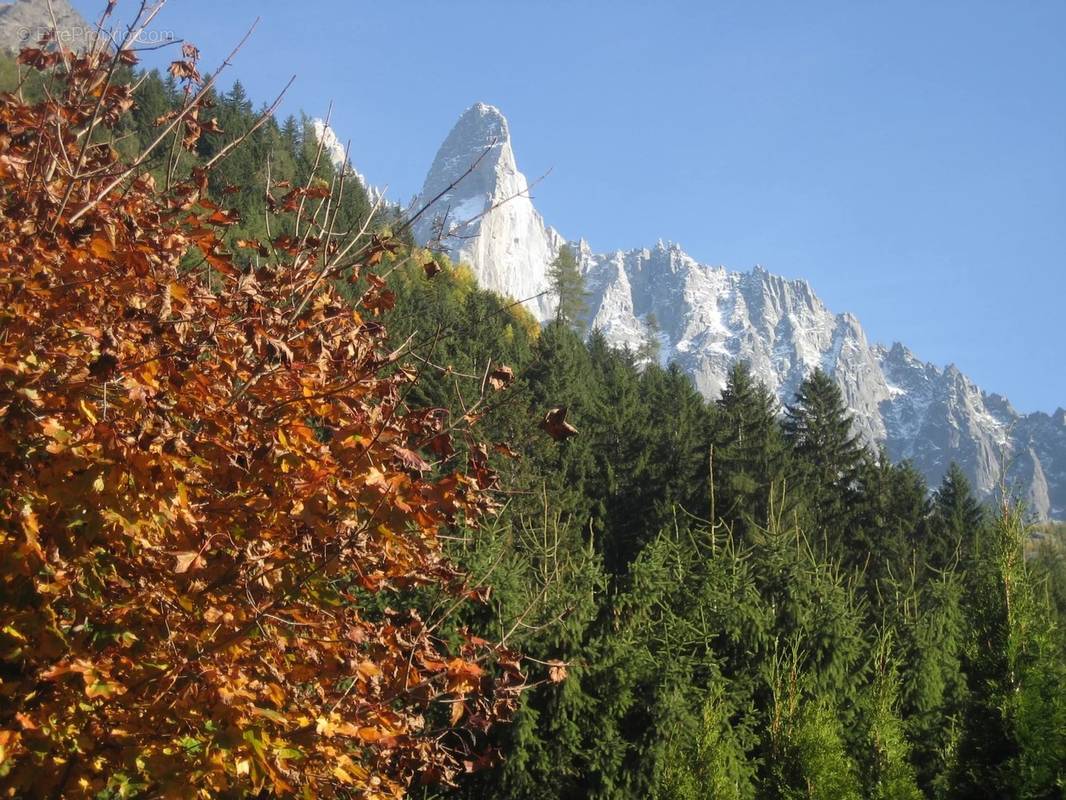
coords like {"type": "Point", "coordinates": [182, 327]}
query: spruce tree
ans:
{"type": "Point", "coordinates": [1014, 725]}
{"type": "Point", "coordinates": [748, 456]}
{"type": "Point", "coordinates": [929, 620]}
{"type": "Point", "coordinates": [679, 437]}
{"type": "Point", "coordinates": [888, 773]}
{"type": "Point", "coordinates": [713, 765]}
{"type": "Point", "coordinates": [956, 521]}
{"type": "Point", "coordinates": [236, 101]}
{"type": "Point", "coordinates": [893, 505]}
{"type": "Point", "coordinates": [829, 457]}
{"type": "Point", "coordinates": [621, 449]}
{"type": "Point", "coordinates": [808, 758]}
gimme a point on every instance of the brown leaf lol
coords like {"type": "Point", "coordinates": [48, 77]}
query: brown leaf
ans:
{"type": "Point", "coordinates": [184, 70]}
{"type": "Point", "coordinates": [184, 442]}
{"type": "Point", "coordinates": [556, 426]}
{"type": "Point", "coordinates": [557, 671]}
{"type": "Point", "coordinates": [501, 377]}
{"type": "Point", "coordinates": [186, 561]}
{"type": "Point", "coordinates": [505, 449]}
{"type": "Point", "coordinates": [412, 460]}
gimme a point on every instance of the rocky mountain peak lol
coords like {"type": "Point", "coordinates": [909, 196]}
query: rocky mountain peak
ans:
{"type": "Point", "coordinates": [24, 22]}
{"type": "Point", "coordinates": [337, 152]}
{"type": "Point", "coordinates": [481, 212]}
{"type": "Point", "coordinates": [708, 317]}
{"type": "Point", "coordinates": [482, 124]}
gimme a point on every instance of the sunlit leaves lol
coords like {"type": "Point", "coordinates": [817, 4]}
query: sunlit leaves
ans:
{"type": "Point", "coordinates": [217, 506]}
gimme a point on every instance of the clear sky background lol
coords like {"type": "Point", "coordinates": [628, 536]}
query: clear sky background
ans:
{"type": "Point", "coordinates": [908, 158]}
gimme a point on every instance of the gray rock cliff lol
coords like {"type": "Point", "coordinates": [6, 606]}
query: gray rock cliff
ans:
{"type": "Point", "coordinates": [707, 317]}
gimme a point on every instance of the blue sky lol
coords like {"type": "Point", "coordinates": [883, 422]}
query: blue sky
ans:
{"type": "Point", "coordinates": [907, 158]}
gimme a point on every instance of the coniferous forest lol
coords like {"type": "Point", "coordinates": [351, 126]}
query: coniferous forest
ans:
{"type": "Point", "coordinates": [608, 586]}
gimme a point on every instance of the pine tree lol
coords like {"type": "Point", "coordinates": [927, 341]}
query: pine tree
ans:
{"type": "Point", "coordinates": [714, 766]}
{"type": "Point", "coordinates": [808, 759]}
{"type": "Point", "coordinates": [888, 771]}
{"type": "Point", "coordinates": [568, 286]}
{"type": "Point", "coordinates": [748, 456]}
{"type": "Point", "coordinates": [829, 457]}
{"type": "Point", "coordinates": [956, 521]}
{"type": "Point", "coordinates": [651, 347]}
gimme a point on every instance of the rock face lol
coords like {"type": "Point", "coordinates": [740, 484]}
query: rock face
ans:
{"type": "Point", "coordinates": [337, 153]}
{"type": "Point", "coordinates": [24, 22]}
{"type": "Point", "coordinates": [487, 219]}
{"type": "Point", "coordinates": [707, 317]}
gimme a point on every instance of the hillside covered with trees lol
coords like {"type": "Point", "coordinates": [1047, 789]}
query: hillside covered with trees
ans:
{"type": "Point", "coordinates": [293, 508]}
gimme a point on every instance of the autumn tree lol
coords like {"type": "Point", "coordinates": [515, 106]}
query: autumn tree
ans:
{"type": "Point", "coordinates": [217, 504]}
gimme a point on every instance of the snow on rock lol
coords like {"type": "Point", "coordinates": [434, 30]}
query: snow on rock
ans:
{"type": "Point", "coordinates": [487, 218]}
{"type": "Point", "coordinates": [337, 153]}
{"type": "Point", "coordinates": [710, 317]}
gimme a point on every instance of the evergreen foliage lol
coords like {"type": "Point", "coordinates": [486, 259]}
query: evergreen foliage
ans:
{"type": "Point", "coordinates": [956, 522]}
{"type": "Point", "coordinates": [748, 451]}
{"type": "Point", "coordinates": [568, 286]}
{"type": "Point", "coordinates": [829, 457]}
{"type": "Point", "coordinates": [721, 602]}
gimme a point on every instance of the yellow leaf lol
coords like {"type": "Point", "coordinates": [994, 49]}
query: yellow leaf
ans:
{"type": "Point", "coordinates": [369, 669]}
{"type": "Point", "coordinates": [244, 766]}
{"type": "Point", "coordinates": [270, 714]}
{"type": "Point", "coordinates": [87, 412]}
{"type": "Point", "coordinates": [179, 292]}
{"type": "Point", "coordinates": [31, 527]}
{"type": "Point", "coordinates": [8, 741]}
{"type": "Point", "coordinates": [457, 712]}
{"type": "Point", "coordinates": [102, 688]}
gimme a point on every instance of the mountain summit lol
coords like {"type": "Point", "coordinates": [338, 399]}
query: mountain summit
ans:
{"type": "Point", "coordinates": [486, 218]}
{"type": "Point", "coordinates": [24, 22]}
{"type": "Point", "coordinates": [707, 317]}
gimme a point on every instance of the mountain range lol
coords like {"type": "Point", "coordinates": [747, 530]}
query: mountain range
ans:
{"type": "Point", "coordinates": [706, 317]}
